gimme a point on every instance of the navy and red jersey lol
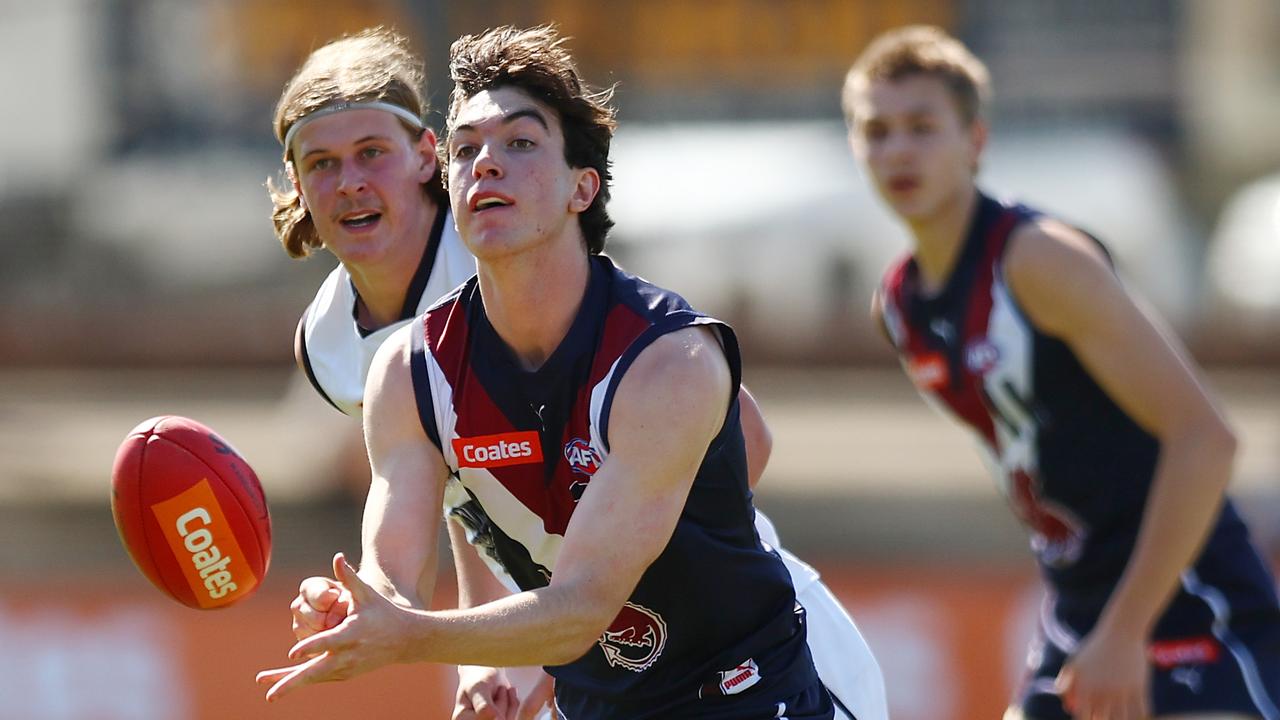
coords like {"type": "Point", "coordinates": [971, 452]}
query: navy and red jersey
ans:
{"type": "Point", "coordinates": [712, 626]}
{"type": "Point", "coordinates": [1075, 468]}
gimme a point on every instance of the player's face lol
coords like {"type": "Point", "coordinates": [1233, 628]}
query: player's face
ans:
{"type": "Point", "coordinates": [509, 184]}
{"type": "Point", "coordinates": [361, 174]}
{"type": "Point", "coordinates": [918, 151]}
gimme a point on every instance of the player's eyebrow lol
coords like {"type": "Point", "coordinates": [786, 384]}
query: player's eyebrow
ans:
{"type": "Point", "coordinates": [511, 117]}
{"type": "Point", "coordinates": [361, 141]}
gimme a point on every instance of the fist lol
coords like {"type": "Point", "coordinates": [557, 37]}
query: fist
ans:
{"type": "Point", "coordinates": [321, 604]}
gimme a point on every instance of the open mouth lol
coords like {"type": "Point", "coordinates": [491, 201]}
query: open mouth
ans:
{"type": "Point", "coordinates": [361, 220]}
{"type": "Point", "coordinates": [489, 202]}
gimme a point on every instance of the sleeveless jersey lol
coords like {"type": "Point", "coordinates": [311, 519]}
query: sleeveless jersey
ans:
{"type": "Point", "coordinates": [332, 348]}
{"type": "Point", "coordinates": [1075, 468]}
{"type": "Point", "coordinates": [714, 616]}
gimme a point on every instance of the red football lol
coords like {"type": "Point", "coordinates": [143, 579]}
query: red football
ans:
{"type": "Point", "coordinates": [191, 512]}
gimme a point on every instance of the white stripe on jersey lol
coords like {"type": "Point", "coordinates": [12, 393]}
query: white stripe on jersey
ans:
{"type": "Point", "coordinates": [1009, 334]}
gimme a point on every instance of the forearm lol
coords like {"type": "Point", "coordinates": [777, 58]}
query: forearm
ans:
{"type": "Point", "coordinates": [1185, 500]}
{"type": "Point", "coordinates": [476, 583]}
{"type": "Point", "coordinates": [549, 626]}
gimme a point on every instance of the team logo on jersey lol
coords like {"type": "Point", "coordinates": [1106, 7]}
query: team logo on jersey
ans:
{"type": "Point", "coordinates": [635, 639]}
{"type": "Point", "coordinates": [928, 370]}
{"type": "Point", "coordinates": [981, 356]}
{"type": "Point", "coordinates": [1057, 535]}
{"type": "Point", "coordinates": [583, 459]}
{"type": "Point", "coordinates": [513, 448]}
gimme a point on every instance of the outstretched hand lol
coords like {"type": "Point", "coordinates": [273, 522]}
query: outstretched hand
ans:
{"type": "Point", "coordinates": [370, 634]}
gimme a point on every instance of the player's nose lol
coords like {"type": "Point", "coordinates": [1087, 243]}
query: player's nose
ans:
{"type": "Point", "coordinates": [351, 179]}
{"type": "Point", "coordinates": [486, 163]}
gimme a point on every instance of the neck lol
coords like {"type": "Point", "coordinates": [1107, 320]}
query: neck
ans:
{"type": "Point", "coordinates": [940, 236]}
{"type": "Point", "coordinates": [532, 298]}
{"type": "Point", "coordinates": [383, 284]}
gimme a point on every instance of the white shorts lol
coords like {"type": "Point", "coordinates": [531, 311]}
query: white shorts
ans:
{"type": "Point", "coordinates": [844, 661]}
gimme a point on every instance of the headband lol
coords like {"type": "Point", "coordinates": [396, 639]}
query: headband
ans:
{"type": "Point", "coordinates": [338, 107]}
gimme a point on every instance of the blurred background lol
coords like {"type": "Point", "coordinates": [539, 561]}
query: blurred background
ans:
{"type": "Point", "coordinates": [139, 276]}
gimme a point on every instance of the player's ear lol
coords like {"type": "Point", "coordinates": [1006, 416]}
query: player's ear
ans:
{"type": "Point", "coordinates": [292, 172]}
{"type": "Point", "coordinates": [427, 151]}
{"type": "Point", "coordinates": [585, 191]}
{"type": "Point", "coordinates": [978, 132]}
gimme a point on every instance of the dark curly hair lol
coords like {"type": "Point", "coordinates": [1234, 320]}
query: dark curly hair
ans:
{"type": "Point", "coordinates": [536, 61]}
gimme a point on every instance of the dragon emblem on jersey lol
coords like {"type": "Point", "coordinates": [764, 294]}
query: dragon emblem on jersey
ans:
{"type": "Point", "coordinates": [1057, 536]}
{"type": "Point", "coordinates": [635, 639]}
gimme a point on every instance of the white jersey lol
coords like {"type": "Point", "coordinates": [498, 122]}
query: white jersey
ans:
{"type": "Point", "coordinates": [332, 348]}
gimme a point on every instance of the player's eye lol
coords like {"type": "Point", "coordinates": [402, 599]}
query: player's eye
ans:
{"type": "Point", "coordinates": [370, 153]}
{"type": "Point", "coordinates": [464, 151]}
{"type": "Point", "coordinates": [318, 164]}
{"type": "Point", "coordinates": [522, 144]}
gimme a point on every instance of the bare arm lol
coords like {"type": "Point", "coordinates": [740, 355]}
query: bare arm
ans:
{"type": "Point", "coordinates": [756, 433]}
{"type": "Point", "coordinates": [1062, 281]}
{"type": "Point", "coordinates": [877, 315]}
{"type": "Point", "coordinates": [668, 408]}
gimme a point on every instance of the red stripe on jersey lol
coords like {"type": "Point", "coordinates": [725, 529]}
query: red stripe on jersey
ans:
{"type": "Point", "coordinates": [927, 367]}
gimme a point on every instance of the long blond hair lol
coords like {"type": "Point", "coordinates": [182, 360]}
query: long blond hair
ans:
{"type": "Point", "coordinates": [372, 65]}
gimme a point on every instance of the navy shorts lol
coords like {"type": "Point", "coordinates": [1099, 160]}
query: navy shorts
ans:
{"type": "Point", "coordinates": [1208, 661]}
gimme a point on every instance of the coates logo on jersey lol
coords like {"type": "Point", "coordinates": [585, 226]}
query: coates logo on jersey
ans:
{"type": "Point", "coordinates": [928, 370]}
{"type": "Point", "coordinates": [489, 451]}
{"type": "Point", "coordinates": [635, 639]}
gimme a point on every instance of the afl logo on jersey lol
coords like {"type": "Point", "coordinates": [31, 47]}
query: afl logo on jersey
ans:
{"type": "Point", "coordinates": [583, 459]}
{"type": "Point", "coordinates": [981, 356]}
{"type": "Point", "coordinates": [635, 639]}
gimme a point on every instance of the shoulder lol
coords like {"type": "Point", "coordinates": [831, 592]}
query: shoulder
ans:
{"type": "Point", "coordinates": [389, 374]}
{"type": "Point", "coordinates": [680, 383]}
{"type": "Point", "coordinates": [690, 360]}
{"type": "Point", "coordinates": [1055, 271]}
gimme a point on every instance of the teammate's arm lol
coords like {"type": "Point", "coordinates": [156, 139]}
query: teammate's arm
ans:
{"type": "Point", "coordinates": [399, 533]}
{"type": "Point", "coordinates": [667, 410]}
{"type": "Point", "coordinates": [482, 691]}
{"type": "Point", "coordinates": [1065, 285]}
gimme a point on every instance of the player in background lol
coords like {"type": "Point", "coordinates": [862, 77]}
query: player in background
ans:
{"type": "Point", "coordinates": [339, 332]}
{"type": "Point", "coordinates": [1091, 415]}
{"type": "Point", "coordinates": [583, 424]}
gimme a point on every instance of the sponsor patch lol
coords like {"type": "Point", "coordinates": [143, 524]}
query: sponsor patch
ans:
{"type": "Point", "coordinates": [732, 682]}
{"type": "Point", "coordinates": [502, 449]}
{"type": "Point", "coordinates": [1167, 654]}
{"type": "Point", "coordinates": [928, 371]}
